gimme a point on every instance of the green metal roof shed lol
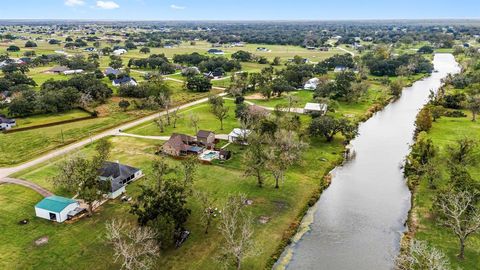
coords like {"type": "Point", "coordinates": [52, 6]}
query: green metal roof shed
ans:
{"type": "Point", "coordinates": [55, 208]}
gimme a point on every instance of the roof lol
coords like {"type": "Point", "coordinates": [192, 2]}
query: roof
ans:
{"type": "Point", "coordinates": [55, 203]}
{"type": "Point", "coordinates": [204, 133]}
{"type": "Point", "coordinates": [179, 141]}
{"type": "Point", "coordinates": [117, 170]}
{"type": "Point", "coordinates": [58, 69]}
{"type": "Point", "coordinates": [315, 107]}
{"type": "Point", "coordinates": [112, 71]}
{"type": "Point", "coordinates": [237, 132]}
{"type": "Point", "coordinates": [123, 80]}
{"type": "Point", "coordinates": [5, 120]}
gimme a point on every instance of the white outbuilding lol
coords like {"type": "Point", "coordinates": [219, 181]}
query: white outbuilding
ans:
{"type": "Point", "coordinates": [56, 208]}
{"type": "Point", "coordinates": [311, 84]}
{"type": "Point", "coordinates": [239, 135]}
{"type": "Point", "coordinates": [315, 108]}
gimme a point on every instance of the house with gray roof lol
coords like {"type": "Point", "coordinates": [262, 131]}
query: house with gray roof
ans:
{"type": "Point", "coordinates": [119, 176]}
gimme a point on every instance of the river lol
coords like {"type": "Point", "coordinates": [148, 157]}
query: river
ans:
{"type": "Point", "coordinates": [359, 220]}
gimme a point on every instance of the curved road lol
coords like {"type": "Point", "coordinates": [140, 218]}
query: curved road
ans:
{"type": "Point", "coordinates": [4, 172]}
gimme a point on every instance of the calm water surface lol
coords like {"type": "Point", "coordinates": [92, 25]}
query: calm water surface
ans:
{"type": "Point", "coordinates": [360, 218]}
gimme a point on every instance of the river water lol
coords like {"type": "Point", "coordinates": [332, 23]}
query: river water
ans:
{"type": "Point", "coordinates": [359, 220]}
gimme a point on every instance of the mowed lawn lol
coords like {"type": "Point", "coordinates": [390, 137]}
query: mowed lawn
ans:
{"type": "Point", "coordinates": [42, 119]}
{"type": "Point", "coordinates": [82, 244]}
{"type": "Point", "coordinates": [445, 132]}
{"type": "Point", "coordinates": [207, 121]}
{"type": "Point", "coordinates": [24, 145]}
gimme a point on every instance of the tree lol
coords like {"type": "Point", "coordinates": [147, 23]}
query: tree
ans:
{"type": "Point", "coordinates": [145, 50]}
{"type": "Point", "coordinates": [437, 111]}
{"type": "Point", "coordinates": [328, 126]}
{"type": "Point", "coordinates": [276, 61]}
{"type": "Point", "coordinates": [194, 119]}
{"type": "Point", "coordinates": [425, 49]}
{"type": "Point", "coordinates": [459, 212]}
{"type": "Point", "coordinates": [107, 51]}
{"type": "Point", "coordinates": [473, 104]}
{"type": "Point", "coordinates": [30, 44]}
{"type": "Point", "coordinates": [162, 205]}
{"type": "Point", "coordinates": [198, 83]}
{"type": "Point", "coordinates": [80, 175]}
{"type": "Point", "coordinates": [243, 56]}
{"type": "Point", "coordinates": [236, 227]}
{"type": "Point", "coordinates": [124, 104]}
{"type": "Point", "coordinates": [424, 120]}
{"type": "Point", "coordinates": [420, 257]}
{"type": "Point", "coordinates": [207, 204]}
{"type": "Point", "coordinates": [135, 247]}
{"type": "Point", "coordinates": [13, 48]}
{"type": "Point", "coordinates": [255, 158]}
{"type": "Point", "coordinates": [115, 62]}
{"type": "Point", "coordinates": [221, 113]}
{"type": "Point", "coordinates": [463, 152]}
{"type": "Point", "coordinates": [396, 88]}
{"type": "Point", "coordinates": [188, 171]}
{"type": "Point", "coordinates": [176, 116]}
{"type": "Point", "coordinates": [284, 151]}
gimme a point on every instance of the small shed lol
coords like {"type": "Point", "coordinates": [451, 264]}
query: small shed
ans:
{"type": "Point", "coordinates": [55, 208]}
{"type": "Point", "coordinates": [315, 108]}
{"type": "Point", "coordinates": [239, 135]}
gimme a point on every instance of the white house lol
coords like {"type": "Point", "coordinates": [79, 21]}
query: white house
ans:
{"type": "Point", "coordinates": [339, 69]}
{"type": "Point", "coordinates": [6, 123]}
{"type": "Point", "coordinates": [73, 71]}
{"type": "Point", "coordinates": [315, 108]}
{"type": "Point", "coordinates": [56, 208]}
{"type": "Point", "coordinates": [119, 52]}
{"type": "Point", "coordinates": [239, 135]}
{"type": "Point", "coordinates": [311, 84]}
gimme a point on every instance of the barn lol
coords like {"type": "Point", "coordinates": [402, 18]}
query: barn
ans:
{"type": "Point", "coordinates": [55, 208]}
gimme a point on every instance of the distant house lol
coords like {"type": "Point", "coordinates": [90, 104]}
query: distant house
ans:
{"type": "Point", "coordinates": [263, 49]}
{"type": "Point", "coordinates": [119, 51]}
{"type": "Point", "coordinates": [90, 49]}
{"type": "Point", "coordinates": [119, 176]}
{"type": "Point", "coordinates": [112, 71]}
{"type": "Point", "coordinates": [58, 69]}
{"type": "Point", "coordinates": [124, 81]}
{"type": "Point", "coordinates": [323, 49]}
{"type": "Point", "coordinates": [6, 123]}
{"type": "Point", "coordinates": [311, 84]}
{"type": "Point", "coordinates": [206, 138]}
{"type": "Point", "coordinates": [181, 145]}
{"type": "Point", "coordinates": [56, 208]}
{"type": "Point", "coordinates": [310, 48]}
{"type": "Point", "coordinates": [213, 74]}
{"type": "Point", "coordinates": [239, 136]}
{"type": "Point", "coordinates": [216, 52]}
{"type": "Point", "coordinates": [339, 69]}
{"type": "Point", "coordinates": [73, 71]}
{"type": "Point", "coordinates": [315, 108]}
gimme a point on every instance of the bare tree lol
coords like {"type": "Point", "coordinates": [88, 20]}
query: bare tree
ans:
{"type": "Point", "coordinates": [292, 102]}
{"type": "Point", "coordinates": [236, 227]}
{"type": "Point", "coordinates": [175, 116]}
{"type": "Point", "coordinates": [194, 119]}
{"type": "Point", "coordinates": [160, 122]}
{"type": "Point", "coordinates": [207, 203]}
{"type": "Point", "coordinates": [135, 247]}
{"type": "Point", "coordinates": [420, 256]}
{"type": "Point", "coordinates": [284, 151]}
{"type": "Point", "coordinates": [255, 158]}
{"type": "Point", "coordinates": [473, 104]}
{"type": "Point", "coordinates": [459, 213]}
{"type": "Point", "coordinates": [221, 112]}
{"type": "Point", "coordinates": [188, 170]}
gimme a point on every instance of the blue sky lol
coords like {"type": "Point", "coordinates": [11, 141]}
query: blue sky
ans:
{"type": "Point", "coordinates": [239, 9]}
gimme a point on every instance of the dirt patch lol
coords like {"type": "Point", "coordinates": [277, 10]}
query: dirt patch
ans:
{"type": "Point", "coordinates": [280, 205]}
{"type": "Point", "coordinates": [263, 219]}
{"type": "Point", "coordinates": [41, 241]}
{"type": "Point", "coordinates": [255, 96]}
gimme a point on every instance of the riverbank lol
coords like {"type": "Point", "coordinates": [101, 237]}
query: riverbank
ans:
{"type": "Point", "coordinates": [422, 222]}
{"type": "Point", "coordinates": [367, 203]}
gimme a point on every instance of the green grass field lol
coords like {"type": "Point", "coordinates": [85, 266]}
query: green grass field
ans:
{"type": "Point", "coordinates": [82, 244]}
{"type": "Point", "coordinates": [42, 119]}
{"type": "Point", "coordinates": [445, 132]}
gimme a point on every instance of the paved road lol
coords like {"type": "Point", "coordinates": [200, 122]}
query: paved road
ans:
{"type": "Point", "coordinates": [165, 138]}
{"type": "Point", "coordinates": [30, 185]}
{"type": "Point", "coordinates": [4, 172]}
{"type": "Point", "coordinates": [345, 50]}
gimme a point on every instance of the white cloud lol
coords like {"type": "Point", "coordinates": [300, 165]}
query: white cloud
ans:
{"type": "Point", "coordinates": [107, 5]}
{"type": "Point", "coordinates": [176, 7]}
{"type": "Point", "coordinates": [72, 3]}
